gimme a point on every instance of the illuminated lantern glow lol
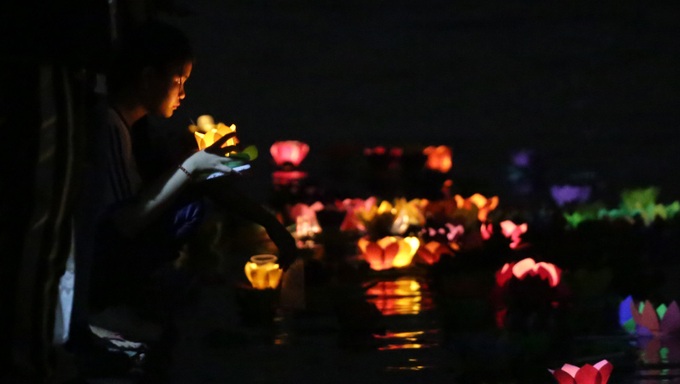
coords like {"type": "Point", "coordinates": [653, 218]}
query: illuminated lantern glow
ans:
{"type": "Point", "coordinates": [438, 158]}
{"type": "Point", "coordinates": [214, 133]}
{"type": "Point", "coordinates": [263, 272]}
{"type": "Point", "coordinates": [449, 233]}
{"type": "Point", "coordinates": [484, 205]}
{"type": "Point", "coordinates": [513, 232]}
{"type": "Point", "coordinates": [289, 152]}
{"type": "Point", "coordinates": [389, 252]}
{"type": "Point", "coordinates": [407, 213]}
{"type": "Point", "coordinates": [306, 223]}
{"type": "Point", "coordinates": [587, 374]}
{"type": "Point", "coordinates": [403, 296]}
{"type": "Point", "coordinates": [528, 267]}
{"type": "Point", "coordinates": [566, 194]}
{"type": "Point", "coordinates": [393, 219]}
{"type": "Point", "coordinates": [351, 221]}
{"type": "Point", "coordinates": [486, 230]}
{"type": "Point", "coordinates": [431, 252]}
{"type": "Point", "coordinates": [650, 321]}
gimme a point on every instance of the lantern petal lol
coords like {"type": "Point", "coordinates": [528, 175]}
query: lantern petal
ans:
{"type": "Point", "coordinates": [375, 257]}
{"type": "Point", "coordinates": [605, 368]}
{"type": "Point", "coordinates": [650, 319]}
{"type": "Point", "coordinates": [563, 377]}
{"type": "Point", "coordinates": [670, 323]}
{"type": "Point", "coordinates": [523, 267]}
{"type": "Point", "coordinates": [391, 251]}
{"type": "Point", "coordinates": [588, 375]}
{"type": "Point", "coordinates": [274, 277]}
{"type": "Point", "coordinates": [504, 274]}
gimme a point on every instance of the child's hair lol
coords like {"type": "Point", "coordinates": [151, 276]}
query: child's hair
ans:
{"type": "Point", "coordinates": [153, 44]}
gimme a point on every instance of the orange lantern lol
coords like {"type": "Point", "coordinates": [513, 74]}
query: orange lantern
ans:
{"type": "Point", "coordinates": [263, 272]}
{"type": "Point", "coordinates": [389, 252]}
{"type": "Point", "coordinates": [431, 252]}
{"type": "Point", "coordinates": [528, 267]}
{"type": "Point", "coordinates": [484, 205]}
{"type": "Point", "coordinates": [289, 152]}
{"type": "Point", "coordinates": [438, 158]}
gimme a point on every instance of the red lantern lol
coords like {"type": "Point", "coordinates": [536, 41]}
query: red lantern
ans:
{"type": "Point", "coordinates": [289, 153]}
{"type": "Point", "coordinates": [587, 374]}
{"type": "Point", "coordinates": [528, 267]}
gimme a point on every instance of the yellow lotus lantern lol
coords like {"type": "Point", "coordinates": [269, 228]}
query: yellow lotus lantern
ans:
{"type": "Point", "coordinates": [484, 205]}
{"type": "Point", "coordinates": [207, 132]}
{"type": "Point", "coordinates": [263, 272]}
{"type": "Point", "coordinates": [389, 252]}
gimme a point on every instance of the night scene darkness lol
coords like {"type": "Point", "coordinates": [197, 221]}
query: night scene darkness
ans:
{"type": "Point", "coordinates": [544, 249]}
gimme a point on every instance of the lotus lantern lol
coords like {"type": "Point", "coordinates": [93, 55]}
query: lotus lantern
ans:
{"type": "Point", "coordinates": [289, 152]}
{"type": "Point", "coordinates": [206, 132]}
{"type": "Point", "coordinates": [528, 267]}
{"type": "Point", "coordinates": [586, 374]}
{"type": "Point", "coordinates": [438, 158]}
{"type": "Point", "coordinates": [484, 205]}
{"type": "Point", "coordinates": [389, 252]}
{"type": "Point", "coordinates": [263, 272]}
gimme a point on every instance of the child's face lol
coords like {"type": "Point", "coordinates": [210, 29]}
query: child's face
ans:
{"type": "Point", "coordinates": [169, 90]}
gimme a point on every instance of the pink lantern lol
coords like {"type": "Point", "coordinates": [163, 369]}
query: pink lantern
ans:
{"type": "Point", "coordinates": [289, 153]}
{"type": "Point", "coordinates": [513, 232]}
{"type": "Point", "coordinates": [587, 374]}
{"type": "Point", "coordinates": [306, 223]}
{"type": "Point", "coordinates": [528, 267]}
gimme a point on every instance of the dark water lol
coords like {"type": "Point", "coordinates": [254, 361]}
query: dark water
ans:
{"type": "Point", "coordinates": [423, 324]}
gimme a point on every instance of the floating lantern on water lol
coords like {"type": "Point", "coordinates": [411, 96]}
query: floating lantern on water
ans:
{"type": "Point", "coordinates": [449, 234]}
{"type": "Point", "coordinates": [661, 320]}
{"type": "Point", "coordinates": [566, 194]}
{"type": "Point", "coordinates": [431, 252]}
{"type": "Point", "coordinates": [289, 153]}
{"type": "Point", "coordinates": [287, 156]}
{"type": "Point", "coordinates": [389, 252]}
{"type": "Point", "coordinates": [263, 272]}
{"type": "Point", "coordinates": [513, 232]}
{"type": "Point", "coordinates": [438, 158]}
{"type": "Point", "coordinates": [586, 374]}
{"type": "Point", "coordinates": [486, 230]}
{"type": "Point", "coordinates": [484, 205]}
{"type": "Point", "coordinates": [388, 219]}
{"type": "Point", "coordinates": [351, 222]}
{"type": "Point", "coordinates": [306, 223]}
{"type": "Point", "coordinates": [528, 267]}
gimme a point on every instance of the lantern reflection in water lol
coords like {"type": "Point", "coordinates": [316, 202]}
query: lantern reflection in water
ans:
{"type": "Point", "coordinates": [404, 296]}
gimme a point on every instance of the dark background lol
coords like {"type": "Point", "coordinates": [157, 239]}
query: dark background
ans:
{"type": "Point", "coordinates": [590, 87]}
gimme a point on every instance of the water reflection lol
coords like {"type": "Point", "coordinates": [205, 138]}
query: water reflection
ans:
{"type": "Point", "coordinates": [403, 296]}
